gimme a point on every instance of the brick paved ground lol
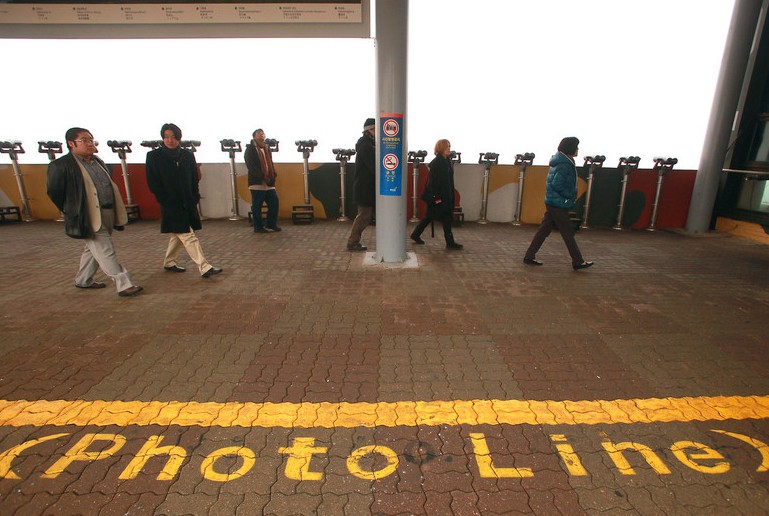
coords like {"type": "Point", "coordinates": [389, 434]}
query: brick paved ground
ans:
{"type": "Point", "coordinates": [295, 319]}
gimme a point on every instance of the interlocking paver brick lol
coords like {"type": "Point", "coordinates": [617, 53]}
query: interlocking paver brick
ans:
{"type": "Point", "coordinates": [297, 321]}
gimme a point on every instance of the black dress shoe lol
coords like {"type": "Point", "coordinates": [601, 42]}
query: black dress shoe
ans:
{"type": "Point", "coordinates": [274, 229]}
{"type": "Point", "coordinates": [583, 265]}
{"type": "Point", "coordinates": [455, 246]}
{"type": "Point", "coordinates": [130, 291]}
{"type": "Point", "coordinates": [532, 261]}
{"type": "Point", "coordinates": [210, 272]}
{"type": "Point", "coordinates": [174, 268]}
{"type": "Point", "coordinates": [260, 230]}
{"type": "Point", "coordinates": [417, 240]}
{"type": "Point", "coordinates": [94, 284]}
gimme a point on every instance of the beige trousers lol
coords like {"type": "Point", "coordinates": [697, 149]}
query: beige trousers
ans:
{"type": "Point", "coordinates": [191, 243]}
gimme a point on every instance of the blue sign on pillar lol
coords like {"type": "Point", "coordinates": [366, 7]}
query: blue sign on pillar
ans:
{"type": "Point", "coordinates": [391, 152]}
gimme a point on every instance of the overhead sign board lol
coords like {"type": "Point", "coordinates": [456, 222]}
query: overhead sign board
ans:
{"type": "Point", "coordinates": [256, 18]}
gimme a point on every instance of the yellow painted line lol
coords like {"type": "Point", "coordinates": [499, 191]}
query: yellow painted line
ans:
{"type": "Point", "coordinates": [384, 414]}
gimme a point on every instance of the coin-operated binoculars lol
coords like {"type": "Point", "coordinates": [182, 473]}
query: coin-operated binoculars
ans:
{"type": "Point", "coordinates": [662, 166]}
{"type": "Point", "coordinates": [593, 163]}
{"type": "Point", "coordinates": [303, 213]}
{"type": "Point", "coordinates": [415, 158]}
{"type": "Point", "coordinates": [51, 148]}
{"type": "Point", "coordinates": [152, 144]}
{"type": "Point", "coordinates": [342, 156]}
{"type": "Point", "coordinates": [192, 146]}
{"type": "Point", "coordinates": [523, 161]}
{"type": "Point", "coordinates": [121, 148]}
{"type": "Point", "coordinates": [627, 165]}
{"type": "Point", "coordinates": [13, 149]}
{"type": "Point", "coordinates": [487, 159]}
{"type": "Point", "coordinates": [231, 147]}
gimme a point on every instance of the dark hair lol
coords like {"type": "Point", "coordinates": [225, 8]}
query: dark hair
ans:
{"type": "Point", "coordinates": [253, 135]}
{"type": "Point", "coordinates": [72, 133]}
{"type": "Point", "coordinates": [569, 145]}
{"type": "Point", "coordinates": [173, 128]}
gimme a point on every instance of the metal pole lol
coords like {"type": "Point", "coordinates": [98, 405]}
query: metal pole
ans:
{"type": "Point", "coordinates": [627, 164]}
{"type": "Point", "coordinates": [306, 174]}
{"type": "Point", "coordinates": [235, 215]}
{"type": "Point", "coordinates": [392, 22]}
{"type": "Point", "coordinates": [742, 33]}
{"type": "Point", "coordinates": [486, 159]}
{"type": "Point", "coordinates": [231, 147]}
{"type": "Point", "coordinates": [663, 166]}
{"type": "Point", "coordinates": [595, 163]}
{"type": "Point", "coordinates": [523, 160]}
{"type": "Point", "coordinates": [51, 148]}
{"type": "Point", "coordinates": [13, 149]}
{"type": "Point", "coordinates": [415, 158]}
{"type": "Point", "coordinates": [121, 147]}
{"type": "Point", "coordinates": [342, 156]}
{"type": "Point", "coordinates": [304, 213]}
{"type": "Point", "coordinates": [342, 198]}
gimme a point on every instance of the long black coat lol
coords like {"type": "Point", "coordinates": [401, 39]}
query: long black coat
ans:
{"type": "Point", "coordinates": [439, 190]}
{"type": "Point", "coordinates": [254, 165]}
{"type": "Point", "coordinates": [174, 182]}
{"type": "Point", "coordinates": [365, 172]}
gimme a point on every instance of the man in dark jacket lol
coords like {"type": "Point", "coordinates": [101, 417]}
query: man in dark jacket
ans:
{"type": "Point", "coordinates": [261, 183]}
{"type": "Point", "coordinates": [560, 196]}
{"type": "Point", "coordinates": [172, 176]}
{"type": "Point", "coordinates": [80, 185]}
{"type": "Point", "coordinates": [363, 187]}
{"type": "Point", "coordinates": [439, 196]}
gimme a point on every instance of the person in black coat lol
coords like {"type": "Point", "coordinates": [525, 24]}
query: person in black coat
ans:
{"type": "Point", "coordinates": [363, 187]}
{"type": "Point", "coordinates": [81, 186]}
{"type": "Point", "coordinates": [439, 196]}
{"type": "Point", "coordinates": [172, 176]}
{"type": "Point", "coordinates": [261, 183]}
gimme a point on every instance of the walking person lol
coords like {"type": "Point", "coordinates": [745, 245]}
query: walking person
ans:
{"type": "Point", "coordinates": [560, 196]}
{"type": "Point", "coordinates": [439, 196]}
{"type": "Point", "coordinates": [261, 183]}
{"type": "Point", "coordinates": [363, 186]}
{"type": "Point", "coordinates": [172, 176]}
{"type": "Point", "coordinates": [80, 185]}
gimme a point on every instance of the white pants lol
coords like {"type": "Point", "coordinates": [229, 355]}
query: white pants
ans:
{"type": "Point", "coordinates": [191, 243]}
{"type": "Point", "coordinates": [99, 252]}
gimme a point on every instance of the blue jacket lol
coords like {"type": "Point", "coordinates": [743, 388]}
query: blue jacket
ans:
{"type": "Point", "coordinates": [561, 190]}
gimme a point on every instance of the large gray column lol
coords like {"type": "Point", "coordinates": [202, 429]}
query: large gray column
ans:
{"type": "Point", "coordinates": [392, 98]}
{"type": "Point", "coordinates": [733, 67]}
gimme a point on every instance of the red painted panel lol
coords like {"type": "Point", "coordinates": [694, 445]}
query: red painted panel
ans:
{"type": "Point", "coordinates": [644, 181]}
{"type": "Point", "coordinates": [139, 190]}
{"type": "Point", "coordinates": [675, 198]}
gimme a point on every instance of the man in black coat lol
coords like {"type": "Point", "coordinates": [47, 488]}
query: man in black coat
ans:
{"type": "Point", "coordinates": [172, 176]}
{"type": "Point", "coordinates": [261, 183]}
{"type": "Point", "coordinates": [364, 190]}
{"type": "Point", "coordinates": [80, 185]}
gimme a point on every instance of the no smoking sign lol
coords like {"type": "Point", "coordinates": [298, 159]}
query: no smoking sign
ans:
{"type": "Point", "coordinates": [390, 162]}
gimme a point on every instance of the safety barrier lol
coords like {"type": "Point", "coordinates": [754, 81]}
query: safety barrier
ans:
{"type": "Point", "coordinates": [487, 191]}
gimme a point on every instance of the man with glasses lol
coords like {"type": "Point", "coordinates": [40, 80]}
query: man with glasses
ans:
{"type": "Point", "coordinates": [172, 176]}
{"type": "Point", "coordinates": [81, 186]}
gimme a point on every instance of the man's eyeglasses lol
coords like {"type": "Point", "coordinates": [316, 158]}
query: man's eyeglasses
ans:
{"type": "Point", "coordinates": [87, 141]}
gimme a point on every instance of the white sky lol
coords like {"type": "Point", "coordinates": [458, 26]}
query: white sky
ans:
{"type": "Point", "coordinates": [503, 76]}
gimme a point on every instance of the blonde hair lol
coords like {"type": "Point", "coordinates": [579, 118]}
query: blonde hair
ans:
{"type": "Point", "coordinates": [441, 145]}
